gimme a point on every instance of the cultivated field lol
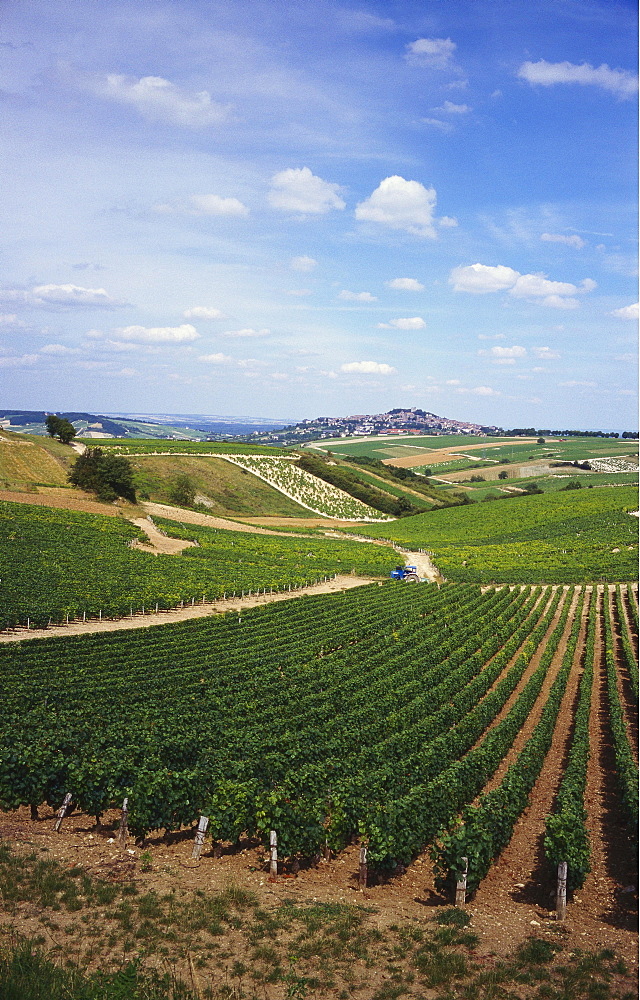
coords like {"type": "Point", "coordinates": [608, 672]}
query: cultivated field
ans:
{"type": "Point", "coordinates": [465, 725]}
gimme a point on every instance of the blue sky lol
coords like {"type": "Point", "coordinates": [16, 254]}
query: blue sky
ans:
{"type": "Point", "coordinates": [321, 208]}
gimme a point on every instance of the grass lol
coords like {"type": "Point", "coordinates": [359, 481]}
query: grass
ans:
{"type": "Point", "coordinates": [147, 945]}
{"type": "Point", "coordinates": [27, 461]}
{"type": "Point", "coordinates": [229, 489]}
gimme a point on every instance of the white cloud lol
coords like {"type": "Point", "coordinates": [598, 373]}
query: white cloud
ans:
{"type": "Point", "coordinates": [436, 123]}
{"type": "Point", "coordinates": [574, 382]}
{"type": "Point", "coordinates": [203, 312]}
{"type": "Point", "coordinates": [484, 390]}
{"type": "Point", "coordinates": [557, 302]}
{"type": "Point", "coordinates": [10, 319]}
{"type": "Point", "coordinates": [299, 291]}
{"type": "Point", "coordinates": [155, 334]}
{"type": "Point", "coordinates": [161, 100]}
{"type": "Point", "coordinates": [452, 381]}
{"type": "Point", "coordinates": [357, 296]}
{"type": "Point", "coordinates": [400, 204]}
{"type": "Point", "coordinates": [509, 352]}
{"type": "Point", "coordinates": [60, 296]}
{"type": "Point", "coordinates": [246, 332]}
{"type": "Point", "coordinates": [279, 376]}
{"type": "Point", "coordinates": [213, 204]}
{"type": "Point", "coordinates": [545, 354]}
{"type": "Point", "coordinates": [482, 278]}
{"type": "Point", "coordinates": [447, 222]}
{"type": "Point", "coordinates": [454, 109]}
{"type": "Point", "coordinates": [404, 323]}
{"type": "Point", "coordinates": [20, 362]}
{"type": "Point", "coordinates": [531, 286]}
{"type": "Point", "coordinates": [127, 372]}
{"type": "Point", "coordinates": [367, 368]}
{"type": "Point", "coordinates": [58, 349]}
{"type": "Point", "coordinates": [434, 53]}
{"type": "Point", "coordinates": [570, 241]}
{"type": "Point", "coordinates": [215, 359]}
{"type": "Point", "coordinates": [405, 285]}
{"type": "Point", "coordinates": [304, 264]}
{"type": "Point", "coordinates": [618, 81]}
{"type": "Point", "coordinates": [492, 336]}
{"type": "Point", "coordinates": [627, 312]}
{"type": "Point", "coordinates": [298, 190]}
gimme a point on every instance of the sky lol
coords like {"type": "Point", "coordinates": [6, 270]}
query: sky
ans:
{"type": "Point", "coordinates": [322, 208]}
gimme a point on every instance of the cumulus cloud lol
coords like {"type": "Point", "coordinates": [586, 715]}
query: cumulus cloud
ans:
{"type": "Point", "coordinates": [203, 312]}
{"type": "Point", "coordinates": [357, 296]}
{"type": "Point", "coordinates": [574, 382]}
{"type": "Point", "coordinates": [437, 123]}
{"type": "Point", "coordinates": [60, 297]}
{"type": "Point", "coordinates": [454, 109]}
{"type": "Point", "coordinates": [11, 320]}
{"type": "Point", "coordinates": [400, 204]}
{"type": "Point", "coordinates": [215, 359]}
{"type": "Point", "coordinates": [480, 278]}
{"type": "Point", "coordinates": [618, 81]}
{"type": "Point", "coordinates": [627, 312]}
{"type": "Point", "coordinates": [59, 349]}
{"type": "Point", "coordinates": [404, 323]}
{"type": "Point", "coordinates": [509, 352]}
{"type": "Point", "coordinates": [569, 241]}
{"type": "Point", "coordinates": [246, 332]}
{"type": "Point", "coordinates": [405, 285]}
{"type": "Point", "coordinates": [161, 100]}
{"type": "Point", "coordinates": [447, 222]}
{"type": "Point", "coordinates": [304, 264]}
{"type": "Point", "coordinates": [298, 190]}
{"type": "Point", "coordinates": [367, 368]}
{"type": "Point", "coordinates": [154, 334]}
{"type": "Point", "coordinates": [213, 204]}
{"type": "Point", "coordinates": [23, 361]}
{"type": "Point", "coordinates": [433, 53]}
{"type": "Point", "coordinates": [546, 354]}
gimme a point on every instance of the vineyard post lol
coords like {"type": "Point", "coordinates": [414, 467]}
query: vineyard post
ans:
{"type": "Point", "coordinates": [62, 812]}
{"type": "Point", "coordinates": [203, 823]}
{"type": "Point", "coordinates": [273, 851]}
{"type": "Point", "coordinates": [561, 894]}
{"type": "Point", "coordinates": [362, 873]}
{"type": "Point", "coordinates": [461, 884]}
{"type": "Point", "coordinates": [123, 830]}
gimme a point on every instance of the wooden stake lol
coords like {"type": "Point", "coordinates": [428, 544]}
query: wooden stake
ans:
{"type": "Point", "coordinates": [362, 874]}
{"type": "Point", "coordinates": [273, 851]}
{"type": "Point", "coordinates": [461, 884]}
{"type": "Point", "coordinates": [62, 812]}
{"type": "Point", "coordinates": [561, 894]}
{"type": "Point", "coordinates": [123, 831]}
{"type": "Point", "coordinates": [200, 832]}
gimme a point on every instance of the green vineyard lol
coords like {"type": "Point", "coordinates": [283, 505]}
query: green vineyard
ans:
{"type": "Point", "coordinates": [58, 565]}
{"type": "Point", "coordinates": [555, 538]}
{"type": "Point", "coordinates": [379, 713]}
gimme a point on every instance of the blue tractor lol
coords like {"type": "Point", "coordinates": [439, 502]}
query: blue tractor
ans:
{"type": "Point", "coordinates": [407, 573]}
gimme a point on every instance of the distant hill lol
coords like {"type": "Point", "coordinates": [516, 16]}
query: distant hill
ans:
{"type": "Point", "coordinates": [165, 426]}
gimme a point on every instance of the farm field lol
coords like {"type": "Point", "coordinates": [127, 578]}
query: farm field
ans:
{"type": "Point", "coordinates": [266, 731]}
{"type": "Point", "coordinates": [57, 563]}
{"type": "Point", "coordinates": [555, 538]}
{"type": "Point", "coordinates": [155, 446]}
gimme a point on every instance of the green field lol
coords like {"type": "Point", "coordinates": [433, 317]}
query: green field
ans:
{"type": "Point", "coordinates": [561, 537]}
{"type": "Point", "coordinates": [57, 563]}
{"type": "Point", "coordinates": [399, 444]}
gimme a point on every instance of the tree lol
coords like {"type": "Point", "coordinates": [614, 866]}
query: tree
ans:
{"type": "Point", "coordinates": [108, 476]}
{"type": "Point", "coordinates": [541, 441]}
{"type": "Point", "coordinates": [182, 492]}
{"type": "Point", "coordinates": [60, 428]}
{"type": "Point", "coordinates": [503, 474]}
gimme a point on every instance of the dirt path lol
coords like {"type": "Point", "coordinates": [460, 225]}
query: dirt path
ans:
{"type": "Point", "coordinates": [183, 614]}
{"type": "Point", "coordinates": [157, 541]}
{"type": "Point", "coordinates": [205, 520]}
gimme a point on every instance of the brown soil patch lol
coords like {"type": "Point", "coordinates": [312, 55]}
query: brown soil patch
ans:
{"type": "Point", "coordinates": [157, 541]}
{"type": "Point", "coordinates": [62, 499]}
{"type": "Point", "coordinates": [446, 454]}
